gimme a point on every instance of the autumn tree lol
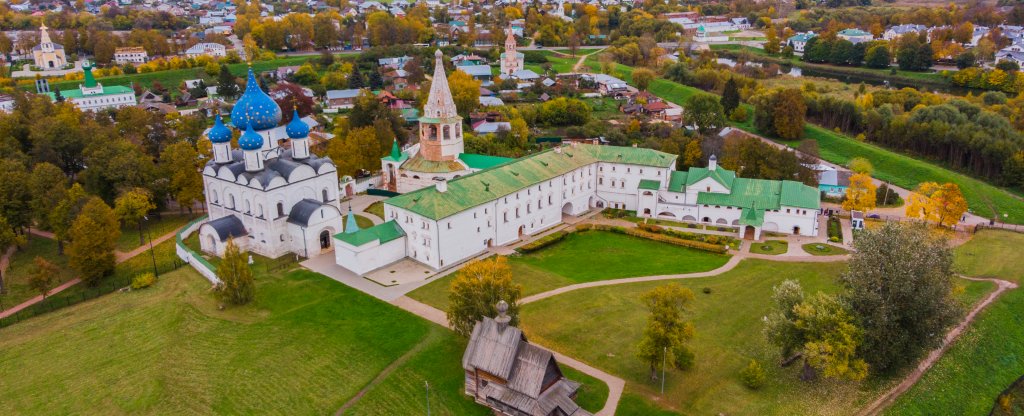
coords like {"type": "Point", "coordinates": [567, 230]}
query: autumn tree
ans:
{"type": "Point", "coordinates": [666, 333]}
{"type": "Point", "coordinates": [180, 164]}
{"type": "Point", "coordinates": [692, 154]}
{"type": "Point", "coordinates": [860, 195]}
{"type": "Point", "coordinates": [43, 275]}
{"type": "Point", "coordinates": [642, 78]}
{"type": "Point", "coordinates": [93, 240]}
{"type": "Point", "coordinates": [465, 91]}
{"type": "Point", "coordinates": [476, 291]}
{"type": "Point", "coordinates": [899, 284]}
{"type": "Point", "coordinates": [63, 215]}
{"type": "Point", "coordinates": [861, 165]}
{"type": "Point", "coordinates": [8, 239]}
{"type": "Point", "coordinates": [704, 111]}
{"type": "Point", "coordinates": [48, 187]}
{"type": "Point", "coordinates": [820, 329]}
{"type": "Point", "coordinates": [358, 149]}
{"type": "Point", "coordinates": [943, 204]}
{"type": "Point", "coordinates": [132, 206]}
{"type": "Point", "coordinates": [780, 113]}
{"type": "Point", "coordinates": [235, 274]}
{"type": "Point", "coordinates": [772, 44]}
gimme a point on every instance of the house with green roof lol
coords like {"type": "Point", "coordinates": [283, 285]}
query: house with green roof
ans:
{"type": "Point", "coordinates": [714, 195]}
{"type": "Point", "coordinates": [93, 96]}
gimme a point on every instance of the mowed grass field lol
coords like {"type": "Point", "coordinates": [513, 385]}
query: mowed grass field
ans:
{"type": "Point", "coordinates": [154, 228]}
{"type": "Point", "coordinates": [601, 326]}
{"type": "Point", "coordinates": [589, 256]}
{"type": "Point", "coordinates": [18, 274]}
{"type": "Point", "coordinates": [305, 346]}
{"type": "Point", "coordinates": [988, 356]}
{"type": "Point", "coordinates": [905, 171]}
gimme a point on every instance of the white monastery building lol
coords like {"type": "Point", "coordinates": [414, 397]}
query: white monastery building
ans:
{"type": "Point", "coordinates": [130, 55]}
{"type": "Point", "coordinates": [450, 211]}
{"type": "Point", "coordinates": [272, 196]}
{"type": "Point", "coordinates": [93, 96]}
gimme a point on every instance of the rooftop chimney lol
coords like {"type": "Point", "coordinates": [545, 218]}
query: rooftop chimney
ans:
{"type": "Point", "coordinates": [441, 186]}
{"type": "Point", "coordinates": [712, 162]}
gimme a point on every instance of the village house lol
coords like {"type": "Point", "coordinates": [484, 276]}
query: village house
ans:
{"type": "Point", "coordinates": [855, 35]}
{"type": "Point", "coordinates": [799, 41]}
{"type": "Point", "coordinates": [341, 99]}
{"type": "Point", "coordinates": [215, 50]}
{"type": "Point", "coordinates": [133, 55]}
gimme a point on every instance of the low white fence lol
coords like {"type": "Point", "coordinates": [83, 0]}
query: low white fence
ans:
{"type": "Point", "coordinates": [191, 257]}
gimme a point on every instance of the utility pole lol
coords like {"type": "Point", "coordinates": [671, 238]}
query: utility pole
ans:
{"type": "Point", "coordinates": [427, 385]}
{"type": "Point", "coordinates": [664, 360]}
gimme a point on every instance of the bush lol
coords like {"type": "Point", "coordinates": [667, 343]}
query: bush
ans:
{"type": "Point", "coordinates": [667, 236]}
{"type": "Point", "coordinates": [739, 115]}
{"type": "Point", "coordinates": [143, 281]}
{"type": "Point", "coordinates": [835, 229]}
{"type": "Point", "coordinates": [684, 358]}
{"type": "Point", "coordinates": [542, 242]}
{"type": "Point", "coordinates": [706, 290]}
{"type": "Point", "coordinates": [753, 375]}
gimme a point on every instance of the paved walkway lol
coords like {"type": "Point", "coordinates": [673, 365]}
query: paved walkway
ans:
{"type": "Point", "coordinates": [39, 298]}
{"type": "Point", "coordinates": [890, 396]}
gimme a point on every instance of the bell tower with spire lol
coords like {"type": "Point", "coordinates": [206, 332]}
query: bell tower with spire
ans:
{"type": "Point", "coordinates": [441, 125]}
{"type": "Point", "coordinates": [511, 60]}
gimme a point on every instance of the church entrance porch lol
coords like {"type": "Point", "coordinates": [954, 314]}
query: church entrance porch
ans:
{"type": "Point", "coordinates": [325, 240]}
{"type": "Point", "coordinates": [750, 232]}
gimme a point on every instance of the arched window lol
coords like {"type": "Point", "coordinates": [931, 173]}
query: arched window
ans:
{"type": "Point", "coordinates": [325, 195]}
{"type": "Point", "coordinates": [280, 209]}
{"type": "Point", "coordinates": [231, 201]}
{"type": "Point", "coordinates": [213, 196]}
{"type": "Point", "coordinates": [248, 209]}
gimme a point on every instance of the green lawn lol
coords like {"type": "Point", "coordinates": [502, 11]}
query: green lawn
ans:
{"type": "Point", "coordinates": [579, 51]}
{"type": "Point", "coordinates": [601, 326]}
{"type": "Point", "coordinates": [153, 228]}
{"type": "Point", "coordinates": [376, 208]}
{"type": "Point", "coordinates": [822, 249]}
{"type": "Point", "coordinates": [906, 76]}
{"type": "Point", "coordinates": [16, 278]}
{"type": "Point", "coordinates": [305, 346]}
{"type": "Point", "coordinates": [987, 357]}
{"type": "Point", "coordinates": [771, 247]}
{"type": "Point", "coordinates": [904, 171]}
{"type": "Point", "coordinates": [585, 257]}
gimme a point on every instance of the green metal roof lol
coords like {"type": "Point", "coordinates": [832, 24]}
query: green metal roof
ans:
{"type": "Point", "coordinates": [475, 161]}
{"type": "Point", "coordinates": [752, 216]}
{"type": "Point", "coordinates": [763, 194]}
{"type": "Point", "coordinates": [490, 184]}
{"type": "Point", "coordinates": [649, 184]}
{"type": "Point", "coordinates": [396, 154]}
{"type": "Point", "coordinates": [677, 181]}
{"type": "Point", "coordinates": [419, 164]}
{"type": "Point", "coordinates": [77, 93]}
{"type": "Point", "coordinates": [385, 232]}
{"type": "Point", "coordinates": [722, 176]}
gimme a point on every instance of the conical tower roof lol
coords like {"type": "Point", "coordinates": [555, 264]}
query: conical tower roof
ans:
{"type": "Point", "coordinates": [439, 103]}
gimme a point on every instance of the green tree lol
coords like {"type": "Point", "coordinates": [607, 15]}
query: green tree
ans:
{"type": "Point", "coordinates": [15, 196]}
{"type": "Point", "coordinates": [355, 78]}
{"type": "Point", "coordinates": [226, 85]}
{"type": "Point", "coordinates": [753, 375]}
{"type": "Point", "coordinates": [666, 333]}
{"type": "Point", "coordinates": [476, 291]}
{"type": "Point", "coordinates": [93, 240]}
{"type": "Point", "coordinates": [48, 187]}
{"type": "Point", "coordinates": [878, 56]}
{"type": "Point", "coordinates": [861, 165]}
{"type": "Point", "coordinates": [642, 78]}
{"type": "Point", "coordinates": [63, 215]}
{"type": "Point", "coordinates": [705, 111]}
{"type": "Point", "coordinates": [43, 275]}
{"type": "Point", "coordinates": [132, 206]}
{"type": "Point", "coordinates": [730, 96]}
{"type": "Point", "coordinates": [820, 329]}
{"type": "Point", "coordinates": [900, 286]}
{"type": "Point", "coordinates": [235, 274]}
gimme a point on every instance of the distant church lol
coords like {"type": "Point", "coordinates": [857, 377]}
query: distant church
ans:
{"type": "Point", "coordinates": [511, 61]}
{"type": "Point", "coordinates": [272, 195]}
{"type": "Point", "coordinates": [48, 55]}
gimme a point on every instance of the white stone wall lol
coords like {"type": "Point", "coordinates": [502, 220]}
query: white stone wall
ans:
{"type": "Point", "coordinates": [370, 256]}
{"type": "Point", "coordinates": [93, 103]}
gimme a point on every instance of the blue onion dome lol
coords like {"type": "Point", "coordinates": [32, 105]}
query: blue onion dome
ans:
{"type": "Point", "coordinates": [255, 107]}
{"type": "Point", "coordinates": [250, 140]}
{"type": "Point", "coordinates": [219, 133]}
{"type": "Point", "coordinates": [297, 129]}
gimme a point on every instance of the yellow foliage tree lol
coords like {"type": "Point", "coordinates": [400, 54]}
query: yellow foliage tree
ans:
{"type": "Point", "coordinates": [944, 204]}
{"type": "Point", "coordinates": [476, 291]}
{"type": "Point", "coordinates": [860, 195]}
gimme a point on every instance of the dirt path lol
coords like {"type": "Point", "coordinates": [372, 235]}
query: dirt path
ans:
{"type": "Point", "coordinates": [615, 384]}
{"type": "Point", "coordinates": [431, 338]}
{"type": "Point", "coordinates": [17, 308]}
{"type": "Point", "coordinates": [579, 63]}
{"type": "Point", "coordinates": [890, 396]}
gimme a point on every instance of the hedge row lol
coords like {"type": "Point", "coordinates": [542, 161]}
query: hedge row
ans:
{"type": "Point", "coordinates": [542, 242]}
{"type": "Point", "coordinates": [704, 238]}
{"type": "Point", "coordinates": [699, 245]}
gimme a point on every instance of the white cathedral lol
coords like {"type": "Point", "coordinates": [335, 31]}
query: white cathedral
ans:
{"type": "Point", "coordinates": [453, 205]}
{"type": "Point", "coordinates": [272, 196]}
